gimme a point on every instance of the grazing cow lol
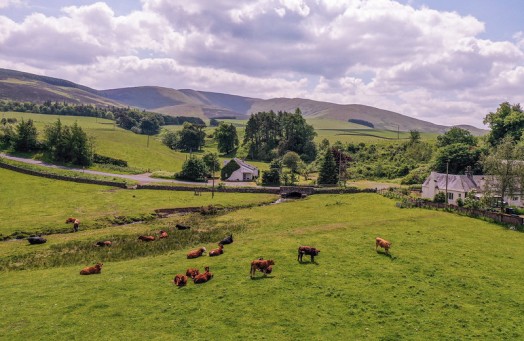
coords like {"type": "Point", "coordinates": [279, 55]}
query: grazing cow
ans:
{"type": "Point", "coordinates": [217, 252]}
{"type": "Point", "coordinates": [192, 272]}
{"type": "Point", "coordinates": [307, 250]}
{"type": "Point", "coordinates": [382, 243]}
{"type": "Point", "coordinates": [226, 240]}
{"type": "Point", "coordinates": [104, 243]}
{"type": "Point", "coordinates": [196, 253]}
{"type": "Point", "coordinates": [36, 240]}
{"type": "Point", "coordinates": [163, 234]}
{"type": "Point", "coordinates": [75, 222]}
{"type": "Point", "coordinates": [180, 280]}
{"type": "Point", "coordinates": [182, 227]}
{"type": "Point", "coordinates": [261, 265]}
{"type": "Point", "coordinates": [203, 277]}
{"type": "Point", "coordinates": [146, 238]}
{"type": "Point", "coordinates": [91, 270]}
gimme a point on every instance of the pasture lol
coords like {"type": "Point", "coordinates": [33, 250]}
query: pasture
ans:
{"type": "Point", "coordinates": [449, 277]}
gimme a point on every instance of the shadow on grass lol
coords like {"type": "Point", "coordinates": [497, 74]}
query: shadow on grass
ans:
{"type": "Point", "coordinates": [262, 277]}
{"type": "Point", "coordinates": [308, 263]}
{"type": "Point", "coordinates": [385, 254]}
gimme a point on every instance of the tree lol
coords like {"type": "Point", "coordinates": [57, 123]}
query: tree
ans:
{"type": "Point", "coordinates": [459, 156]}
{"type": "Point", "coordinates": [291, 160]}
{"type": "Point", "coordinates": [191, 137]}
{"type": "Point", "coordinates": [272, 176]}
{"type": "Point", "coordinates": [504, 170]}
{"type": "Point", "coordinates": [214, 122]}
{"type": "Point", "coordinates": [226, 137]}
{"type": "Point", "coordinates": [25, 139]}
{"type": "Point", "coordinates": [508, 120]}
{"type": "Point", "coordinates": [456, 135]}
{"type": "Point", "coordinates": [212, 162]}
{"type": "Point", "coordinates": [7, 135]}
{"type": "Point", "coordinates": [68, 144]}
{"type": "Point", "coordinates": [328, 173]}
{"type": "Point", "coordinates": [193, 169]}
{"type": "Point", "coordinates": [170, 139]}
{"type": "Point", "coordinates": [414, 136]}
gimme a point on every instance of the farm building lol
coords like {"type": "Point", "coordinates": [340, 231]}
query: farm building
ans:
{"type": "Point", "coordinates": [458, 186]}
{"type": "Point", "coordinates": [238, 170]}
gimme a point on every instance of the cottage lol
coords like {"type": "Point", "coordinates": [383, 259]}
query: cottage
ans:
{"type": "Point", "coordinates": [239, 171]}
{"type": "Point", "coordinates": [458, 186]}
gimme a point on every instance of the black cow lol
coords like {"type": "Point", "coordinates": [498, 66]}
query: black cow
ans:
{"type": "Point", "coordinates": [227, 240]}
{"type": "Point", "coordinates": [307, 250]}
{"type": "Point", "coordinates": [182, 227]}
{"type": "Point", "coordinates": [36, 240]}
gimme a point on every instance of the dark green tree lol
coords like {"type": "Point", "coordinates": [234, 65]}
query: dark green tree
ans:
{"type": "Point", "coordinates": [193, 169]}
{"type": "Point", "coordinates": [170, 139]}
{"type": "Point", "coordinates": [508, 120]}
{"type": "Point", "coordinates": [291, 160]}
{"type": "Point", "coordinates": [328, 172]}
{"type": "Point", "coordinates": [226, 137]}
{"type": "Point", "coordinates": [25, 139]}
{"type": "Point", "coordinates": [213, 122]}
{"type": "Point", "coordinates": [414, 136]}
{"type": "Point", "coordinates": [456, 135]}
{"type": "Point", "coordinates": [212, 162]}
{"type": "Point", "coordinates": [459, 156]}
{"type": "Point", "coordinates": [191, 137]}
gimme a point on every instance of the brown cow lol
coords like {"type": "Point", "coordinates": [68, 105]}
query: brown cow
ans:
{"type": "Point", "coordinates": [382, 243]}
{"type": "Point", "coordinates": [146, 238]}
{"type": "Point", "coordinates": [261, 265]}
{"type": "Point", "coordinates": [90, 270]}
{"type": "Point", "coordinates": [192, 272]}
{"type": "Point", "coordinates": [196, 253]}
{"type": "Point", "coordinates": [163, 234]}
{"type": "Point", "coordinates": [307, 250]}
{"type": "Point", "coordinates": [217, 252]}
{"type": "Point", "coordinates": [104, 243]}
{"type": "Point", "coordinates": [204, 277]}
{"type": "Point", "coordinates": [75, 222]}
{"type": "Point", "coordinates": [180, 280]}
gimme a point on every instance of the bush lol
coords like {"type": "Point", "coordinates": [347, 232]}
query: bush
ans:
{"type": "Point", "coordinates": [271, 177]}
{"type": "Point", "coordinates": [440, 197]}
{"type": "Point", "coordinates": [460, 203]}
{"type": "Point", "coordinates": [106, 160]}
{"type": "Point", "coordinates": [193, 169]}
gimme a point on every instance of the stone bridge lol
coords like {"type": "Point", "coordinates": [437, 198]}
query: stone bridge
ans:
{"type": "Point", "coordinates": [296, 191]}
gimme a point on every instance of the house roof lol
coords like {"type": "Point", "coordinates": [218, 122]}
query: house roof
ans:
{"type": "Point", "coordinates": [460, 183]}
{"type": "Point", "coordinates": [241, 163]}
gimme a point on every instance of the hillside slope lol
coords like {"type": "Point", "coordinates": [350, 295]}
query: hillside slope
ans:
{"type": "Point", "coordinates": [22, 86]}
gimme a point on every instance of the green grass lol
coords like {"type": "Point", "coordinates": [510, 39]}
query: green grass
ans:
{"type": "Point", "coordinates": [449, 278]}
{"type": "Point", "coordinates": [32, 204]}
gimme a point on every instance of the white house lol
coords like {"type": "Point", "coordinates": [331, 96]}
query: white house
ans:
{"type": "Point", "coordinates": [245, 172]}
{"type": "Point", "coordinates": [458, 186]}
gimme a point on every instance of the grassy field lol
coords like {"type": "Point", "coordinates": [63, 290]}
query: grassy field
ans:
{"type": "Point", "coordinates": [32, 203]}
{"type": "Point", "coordinates": [448, 277]}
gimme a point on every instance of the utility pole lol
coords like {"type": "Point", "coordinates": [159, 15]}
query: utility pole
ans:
{"type": "Point", "coordinates": [447, 171]}
{"type": "Point", "coordinates": [213, 177]}
{"type": "Point", "coordinates": [398, 132]}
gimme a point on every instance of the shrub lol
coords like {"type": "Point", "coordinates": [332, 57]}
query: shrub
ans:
{"type": "Point", "coordinates": [440, 197]}
{"type": "Point", "coordinates": [106, 160]}
{"type": "Point", "coordinates": [193, 169]}
{"type": "Point", "coordinates": [271, 177]}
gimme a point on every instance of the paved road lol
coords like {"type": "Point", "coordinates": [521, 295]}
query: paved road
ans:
{"type": "Point", "coordinates": [140, 178]}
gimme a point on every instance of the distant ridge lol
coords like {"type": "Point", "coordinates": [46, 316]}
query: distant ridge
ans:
{"type": "Point", "coordinates": [23, 86]}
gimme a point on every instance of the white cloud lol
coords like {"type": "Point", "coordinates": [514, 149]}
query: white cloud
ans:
{"type": "Point", "coordinates": [421, 62]}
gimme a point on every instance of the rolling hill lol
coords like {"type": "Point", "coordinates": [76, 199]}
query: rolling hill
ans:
{"type": "Point", "coordinates": [22, 86]}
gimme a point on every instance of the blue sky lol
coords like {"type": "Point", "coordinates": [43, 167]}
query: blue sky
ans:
{"type": "Point", "coordinates": [448, 62]}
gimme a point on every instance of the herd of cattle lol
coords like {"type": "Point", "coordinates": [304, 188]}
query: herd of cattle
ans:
{"type": "Point", "coordinates": [263, 265]}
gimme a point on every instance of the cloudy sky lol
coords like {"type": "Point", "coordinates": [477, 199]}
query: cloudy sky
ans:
{"type": "Point", "coordinates": [444, 61]}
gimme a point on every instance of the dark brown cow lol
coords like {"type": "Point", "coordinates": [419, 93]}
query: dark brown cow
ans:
{"type": "Point", "coordinates": [146, 238]}
{"type": "Point", "coordinates": [382, 243]}
{"type": "Point", "coordinates": [307, 250]}
{"type": "Point", "coordinates": [163, 234]}
{"type": "Point", "coordinates": [192, 272]}
{"type": "Point", "coordinates": [217, 252]}
{"type": "Point", "coordinates": [180, 280]}
{"type": "Point", "coordinates": [104, 243]}
{"type": "Point", "coordinates": [262, 265]}
{"type": "Point", "coordinates": [203, 277]}
{"type": "Point", "coordinates": [91, 270]}
{"type": "Point", "coordinates": [196, 253]}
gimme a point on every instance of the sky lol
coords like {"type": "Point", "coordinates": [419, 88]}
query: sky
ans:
{"type": "Point", "coordinates": [444, 61]}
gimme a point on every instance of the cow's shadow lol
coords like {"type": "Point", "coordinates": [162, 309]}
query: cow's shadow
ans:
{"type": "Point", "coordinates": [261, 277]}
{"type": "Point", "coordinates": [308, 263]}
{"type": "Point", "coordinates": [385, 254]}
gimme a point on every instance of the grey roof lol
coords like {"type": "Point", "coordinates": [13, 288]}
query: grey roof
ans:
{"type": "Point", "coordinates": [244, 164]}
{"type": "Point", "coordinates": [461, 183]}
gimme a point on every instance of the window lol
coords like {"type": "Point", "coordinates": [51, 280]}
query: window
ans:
{"type": "Point", "coordinates": [460, 195]}
{"type": "Point", "coordinates": [450, 196]}
{"type": "Point", "coordinates": [515, 198]}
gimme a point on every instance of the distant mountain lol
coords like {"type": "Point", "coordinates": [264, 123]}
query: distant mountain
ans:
{"type": "Point", "coordinates": [22, 86]}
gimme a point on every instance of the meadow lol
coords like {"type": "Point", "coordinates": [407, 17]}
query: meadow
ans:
{"type": "Point", "coordinates": [448, 276]}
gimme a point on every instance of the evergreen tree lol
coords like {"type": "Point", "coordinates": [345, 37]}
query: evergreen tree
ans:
{"type": "Point", "coordinates": [25, 139]}
{"type": "Point", "coordinates": [328, 173]}
{"type": "Point", "coordinates": [226, 137]}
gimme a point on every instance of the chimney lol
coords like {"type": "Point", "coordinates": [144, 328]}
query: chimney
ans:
{"type": "Point", "coordinates": [468, 172]}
